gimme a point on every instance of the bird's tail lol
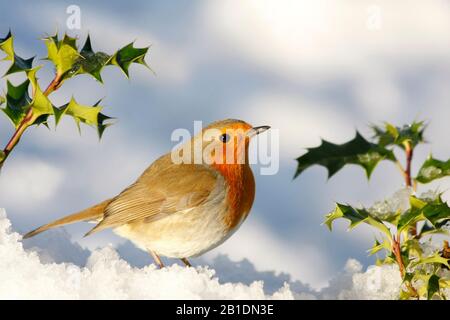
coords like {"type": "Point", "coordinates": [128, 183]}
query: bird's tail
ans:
{"type": "Point", "coordinates": [89, 214]}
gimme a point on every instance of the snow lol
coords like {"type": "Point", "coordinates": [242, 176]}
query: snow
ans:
{"type": "Point", "coordinates": [34, 273]}
{"type": "Point", "coordinates": [398, 202]}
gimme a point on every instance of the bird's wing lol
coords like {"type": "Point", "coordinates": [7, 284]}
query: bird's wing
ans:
{"type": "Point", "coordinates": [157, 194]}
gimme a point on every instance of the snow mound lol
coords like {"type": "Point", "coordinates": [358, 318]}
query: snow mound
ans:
{"type": "Point", "coordinates": [27, 275]}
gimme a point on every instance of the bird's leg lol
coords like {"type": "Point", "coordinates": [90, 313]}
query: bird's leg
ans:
{"type": "Point", "coordinates": [157, 259]}
{"type": "Point", "coordinates": [186, 262]}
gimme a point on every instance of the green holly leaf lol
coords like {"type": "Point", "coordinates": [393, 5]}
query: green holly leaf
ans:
{"type": "Point", "coordinates": [18, 64]}
{"type": "Point", "coordinates": [103, 123]}
{"type": "Point", "coordinates": [432, 286]}
{"type": "Point", "coordinates": [7, 46]}
{"type": "Point", "coordinates": [40, 104]}
{"type": "Point", "coordinates": [80, 113]}
{"type": "Point", "coordinates": [355, 216]}
{"type": "Point", "coordinates": [390, 135]}
{"type": "Point", "coordinates": [62, 53]}
{"type": "Point", "coordinates": [334, 156]}
{"type": "Point", "coordinates": [436, 212]}
{"type": "Point", "coordinates": [127, 55]}
{"type": "Point", "coordinates": [432, 259]}
{"type": "Point", "coordinates": [2, 100]}
{"type": "Point", "coordinates": [90, 62]}
{"type": "Point", "coordinates": [429, 229]}
{"type": "Point", "coordinates": [433, 169]}
{"type": "Point", "coordinates": [378, 246]}
{"type": "Point", "coordinates": [17, 102]}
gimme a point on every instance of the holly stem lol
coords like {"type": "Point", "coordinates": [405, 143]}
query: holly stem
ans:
{"type": "Point", "coordinates": [397, 251]}
{"type": "Point", "coordinates": [409, 151]}
{"type": "Point", "coordinates": [27, 121]}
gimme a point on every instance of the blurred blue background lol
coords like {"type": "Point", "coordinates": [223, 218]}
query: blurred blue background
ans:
{"type": "Point", "coordinates": [312, 69]}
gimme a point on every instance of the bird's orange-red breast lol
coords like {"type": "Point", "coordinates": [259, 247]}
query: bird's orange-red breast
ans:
{"type": "Point", "coordinates": [182, 210]}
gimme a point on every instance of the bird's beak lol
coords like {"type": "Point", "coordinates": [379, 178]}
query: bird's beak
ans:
{"type": "Point", "coordinates": [256, 130]}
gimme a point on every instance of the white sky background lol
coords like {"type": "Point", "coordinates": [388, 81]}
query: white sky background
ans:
{"type": "Point", "coordinates": [313, 69]}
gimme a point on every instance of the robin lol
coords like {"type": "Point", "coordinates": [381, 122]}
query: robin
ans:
{"type": "Point", "coordinates": [182, 210]}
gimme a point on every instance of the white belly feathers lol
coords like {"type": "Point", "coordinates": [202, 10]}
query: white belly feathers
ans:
{"type": "Point", "coordinates": [186, 233]}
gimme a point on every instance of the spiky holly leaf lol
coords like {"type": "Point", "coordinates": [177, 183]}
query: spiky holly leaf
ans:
{"type": "Point", "coordinates": [433, 169]}
{"type": "Point", "coordinates": [90, 62]}
{"type": "Point", "coordinates": [378, 246]}
{"type": "Point", "coordinates": [18, 64]}
{"type": "Point", "coordinates": [432, 286]}
{"type": "Point", "coordinates": [392, 135]}
{"type": "Point", "coordinates": [434, 211]}
{"type": "Point", "coordinates": [103, 123]}
{"type": "Point", "coordinates": [127, 55]}
{"type": "Point", "coordinates": [438, 228]}
{"type": "Point", "coordinates": [17, 102]}
{"type": "Point", "coordinates": [62, 53]}
{"type": "Point", "coordinates": [334, 157]}
{"type": "Point", "coordinates": [355, 216]}
{"type": "Point", "coordinates": [435, 258]}
{"type": "Point", "coordinates": [80, 113]}
{"type": "Point", "coordinates": [40, 104]}
{"type": "Point", "coordinates": [2, 100]}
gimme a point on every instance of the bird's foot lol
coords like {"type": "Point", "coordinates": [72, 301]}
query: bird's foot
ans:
{"type": "Point", "coordinates": [186, 262]}
{"type": "Point", "coordinates": [157, 259]}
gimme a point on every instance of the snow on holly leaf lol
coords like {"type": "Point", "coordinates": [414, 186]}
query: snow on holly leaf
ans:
{"type": "Point", "coordinates": [334, 157]}
{"type": "Point", "coordinates": [390, 135]}
{"type": "Point", "coordinates": [18, 64]}
{"type": "Point", "coordinates": [355, 216]}
{"type": "Point", "coordinates": [90, 62]}
{"type": "Point", "coordinates": [435, 212]}
{"type": "Point", "coordinates": [433, 169]}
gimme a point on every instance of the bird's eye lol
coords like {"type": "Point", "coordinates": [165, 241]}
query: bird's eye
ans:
{"type": "Point", "coordinates": [224, 137]}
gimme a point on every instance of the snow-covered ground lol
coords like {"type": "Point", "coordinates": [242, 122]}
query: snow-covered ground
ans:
{"type": "Point", "coordinates": [102, 274]}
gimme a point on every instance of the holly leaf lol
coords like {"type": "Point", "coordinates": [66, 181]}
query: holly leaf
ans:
{"type": "Point", "coordinates": [355, 216]}
{"type": "Point", "coordinates": [432, 286]}
{"type": "Point", "coordinates": [433, 169]}
{"type": "Point", "coordinates": [429, 229]}
{"type": "Point", "coordinates": [17, 102]}
{"type": "Point", "coordinates": [103, 121]}
{"type": "Point", "coordinates": [80, 113]}
{"type": "Point", "coordinates": [18, 64]}
{"type": "Point", "coordinates": [334, 156]}
{"type": "Point", "coordinates": [391, 135]}
{"type": "Point", "coordinates": [436, 212]}
{"type": "Point", "coordinates": [40, 104]}
{"type": "Point", "coordinates": [378, 246]}
{"type": "Point", "coordinates": [90, 62]}
{"type": "Point", "coordinates": [62, 53]}
{"type": "Point", "coordinates": [432, 259]}
{"type": "Point", "coordinates": [127, 55]}
{"type": "Point", "coordinates": [2, 100]}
